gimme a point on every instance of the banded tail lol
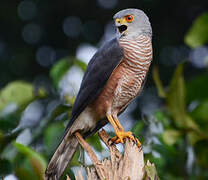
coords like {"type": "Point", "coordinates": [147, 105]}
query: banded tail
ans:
{"type": "Point", "coordinates": [62, 157]}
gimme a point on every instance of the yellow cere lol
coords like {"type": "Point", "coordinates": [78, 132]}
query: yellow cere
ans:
{"type": "Point", "coordinates": [121, 21]}
{"type": "Point", "coordinates": [118, 20]}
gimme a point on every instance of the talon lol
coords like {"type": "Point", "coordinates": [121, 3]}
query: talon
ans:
{"type": "Point", "coordinates": [140, 148]}
{"type": "Point", "coordinates": [114, 139]}
{"type": "Point", "coordinates": [138, 143]}
{"type": "Point", "coordinates": [110, 142]}
{"type": "Point", "coordinates": [121, 135]}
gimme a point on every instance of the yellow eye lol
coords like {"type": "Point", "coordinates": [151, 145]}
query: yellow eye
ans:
{"type": "Point", "coordinates": [129, 18]}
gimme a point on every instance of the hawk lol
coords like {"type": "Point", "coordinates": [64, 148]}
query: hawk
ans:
{"type": "Point", "coordinates": [113, 78]}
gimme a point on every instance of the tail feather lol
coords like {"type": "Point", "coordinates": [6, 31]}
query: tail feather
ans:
{"type": "Point", "coordinates": [61, 157]}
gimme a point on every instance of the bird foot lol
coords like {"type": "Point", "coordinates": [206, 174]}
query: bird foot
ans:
{"type": "Point", "coordinates": [138, 143]}
{"type": "Point", "coordinates": [121, 135]}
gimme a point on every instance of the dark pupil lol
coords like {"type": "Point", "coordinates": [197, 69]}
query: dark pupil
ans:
{"type": "Point", "coordinates": [129, 18]}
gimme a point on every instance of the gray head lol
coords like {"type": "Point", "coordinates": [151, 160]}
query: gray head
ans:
{"type": "Point", "coordinates": [131, 23]}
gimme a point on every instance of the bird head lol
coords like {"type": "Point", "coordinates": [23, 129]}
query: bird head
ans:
{"type": "Point", "coordinates": [131, 23]}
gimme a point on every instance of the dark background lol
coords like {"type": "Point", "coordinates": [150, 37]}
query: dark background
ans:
{"type": "Point", "coordinates": [170, 21]}
{"type": "Point", "coordinates": [39, 43]}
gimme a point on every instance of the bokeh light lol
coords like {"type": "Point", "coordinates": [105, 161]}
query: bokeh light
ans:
{"type": "Point", "coordinates": [24, 137]}
{"type": "Point", "coordinates": [199, 57]}
{"type": "Point", "coordinates": [10, 177]}
{"type": "Point", "coordinates": [85, 52]}
{"type": "Point", "coordinates": [107, 4]}
{"type": "Point", "coordinates": [31, 116]}
{"type": "Point", "coordinates": [72, 26]}
{"type": "Point", "coordinates": [70, 83]}
{"type": "Point", "coordinates": [27, 10]}
{"type": "Point", "coordinates": [46, 56]}
{"type": "Point", "coordinates": [32, 33]}
{"type": "Point", "coordinates": [10, 108]}
{"type": "Point", "coordinates": [190, 159]}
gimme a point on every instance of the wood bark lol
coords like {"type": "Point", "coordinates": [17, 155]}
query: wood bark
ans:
{"type": "Point", "coordinates": [127, 166]}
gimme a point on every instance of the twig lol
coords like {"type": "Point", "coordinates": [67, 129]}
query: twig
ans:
{"type": "Point", "coordinates": [87, 148]}
{"type": "Point", "coordinates": [98, 165]}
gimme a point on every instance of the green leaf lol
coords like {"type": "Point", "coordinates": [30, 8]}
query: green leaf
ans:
{"type": "Point", "coordinates": [62, 66]}
{"type": "Point", "coordinates": [194, 137]}
{"type": "Point", "coordinates": [5, 167]}
{"type": "Point", "coordinates": [59, 69]}
{"type": "Point", "coordinates": [9, 122]}
{"type": "Point", "coordinates": [52, 136]}
{"type": "Point", "coordinates": [5, 140]}
{"type": "Point", "coordinates": [162, 117]}
{"type": "Point", "coordinates": [193, 90]}
{"type": "Point", "coordinates": [95, 142]}
{"type": "Point", "coordinates": [176, 97]}
{"type": "Point", "coordinates": [201, 151]}
{"type": "Point", "coordinates": [200, 116]}
{"type": "Point", "coordinates": [1, 137]}
{"type": "Point", "coordinates": [151, 172]}
{"type": "Point", "coordinates": [75, 161]}
{"type": "Point", "coordinates": [200, 112]}
{"type": "Point", "coordinates": [81, 64]}
{"type": "Point", "coordinates": [170, 136]}
{"type": "Point", "coordinates": [24, 174]}
{"type": "Point", "coordinates": [138, 128]}
{"type": "Point", "coordinates": [18, 92]}
{"type": "Point", "coordinates": [198, 33]}
{"type": "Point", "coordinates": [60, 109]}
{"type": "Point", "coordinates": [176, 101]}
{"type": "Point", "coordinates": [158, 83]}
{"type": "Point", "coordinates": [37, 162]}
{"type": "Point", "coordinates": [177, 106]}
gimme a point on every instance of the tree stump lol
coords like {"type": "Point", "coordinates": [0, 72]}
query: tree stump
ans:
{"type": "Point", "coordinates": [127, 166]}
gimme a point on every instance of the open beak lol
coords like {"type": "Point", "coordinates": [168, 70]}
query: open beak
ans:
{"type": "Point", "coordinates": [122, 28]}
{"type": "Point", "coordinates": [121, 25]}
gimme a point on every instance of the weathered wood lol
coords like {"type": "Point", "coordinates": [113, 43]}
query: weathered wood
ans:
{"type": "Point", "coordinates": [129, 166]}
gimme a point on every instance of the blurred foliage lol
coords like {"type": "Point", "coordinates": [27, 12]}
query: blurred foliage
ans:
{"type": "Point", "coordinates": [197, 35]}
{"type": "Point", "coordinates": [37, 162]}
{"type": "Point", "coordinates": [151, 172]}
{"type": "Point", "coordinates": [18, 92]}
{"type": "Point", "coordinates": [183, 130]}
{"type": "Point", "coordinates": [34, 108]}
{"type": "Point", "coordinates": [63, 65]}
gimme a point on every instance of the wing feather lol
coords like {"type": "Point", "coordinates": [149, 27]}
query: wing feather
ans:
{"type": "Point", "coordinates": [97, 73]}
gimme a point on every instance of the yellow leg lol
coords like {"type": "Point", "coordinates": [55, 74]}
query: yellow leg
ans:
{"type": "Point", "coordinates": [119, 131]}
{"type": "Point", "coordinates": [118, 123]}
{"type": "Point", "coordinates": [111, 120]}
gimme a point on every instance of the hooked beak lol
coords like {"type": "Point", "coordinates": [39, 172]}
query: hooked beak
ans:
{"type": "Point", "coordinates": [122, 28]}
{"type": "Point", "coordinates": [121, 25]}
